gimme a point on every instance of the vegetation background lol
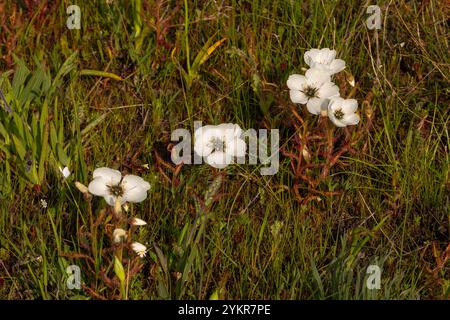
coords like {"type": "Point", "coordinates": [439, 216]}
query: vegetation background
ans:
{"type": "Point", "coordinates": [111, 93]}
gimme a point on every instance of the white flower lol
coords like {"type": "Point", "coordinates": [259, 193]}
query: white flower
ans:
{"type": "Point", "coordinates": [139, 248]}
{"type": "Point", "coordinates": [119, 235]}
{"type": "Point", "coordinates": [219, 144]}
{"type": "Point", "coordinates": [313, 89]}
{"type": "Point", "coordinates": [110, 184]}
{"type": "Point", "coordinates": [138, 222]}
{"type": "Point", "coordinates": [43, 204]}
{"type": "Point", "coordinates": [324, 60]}
{"type": "Point", "coordinates": [342, 111]}
{"type": "Point", "coordinates": [65, 172]}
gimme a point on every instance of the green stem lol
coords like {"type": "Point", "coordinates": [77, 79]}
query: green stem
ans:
{"type": "Point", "coordinates": [186, 36]}
{"type": "Point", "coordinates": [93, 230]}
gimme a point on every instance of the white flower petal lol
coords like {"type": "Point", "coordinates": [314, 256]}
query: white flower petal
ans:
{"type": "Point", "coordinates": [111, 200]}
{"type": "Point", "coordinates": [335, 103]}
{"type": "Point", "coordinates": [322, 56]}
{"type": "Point", "coordinates": [135, 188]}
{"type": "Point", "coordinates": [296, 82]}
{"type": "Point", "coordinates": [202, 148]}
{"type": "Point", "coordinates": [219, 159]}
{"type": "Point", "coordinates": [310, 56]}
{"type": "Point", "coordinates": [131, 181]}
{"type": "Point", "coordinates": [139, 248]}
{"type": "Point", "coordinates": [336, 66]}
{"type": "Point", "coordinates": [134, 195]}
{"type": "Point", "coordinates": [313, 105]}
{"type": "Point", "coordinates": [337, 122]}
{"type": "Point", "coordinates": [324, 106]}
{"type": "Point", "coordinates": [328, 56]}
{"type": "Point", "coordinates": [316, 77]}
{"type": "Point", "coordinates": [328, 90]}
{"type": "Point", "coordinates": [206, 132]}
{"type": "Point", "coordinates": [236, 147]}
{"type": "Point", "coordinates": [65, 172]}
{"type": "Point", "coordinates": [351, 119]}
{"type": "Point", "coordinates": [321, 67]}
{"type": "Point", "coordinates": [298, 97]}
{"type": "Point", "coordinates": [111, 176]}
{"type": "Point", "coordinates": [349, 105]}
{"type": "Point", "coordinates": [229, 131]}
{"type": "Point", "coordinates": [98, 187]}
{"type": "Point", "coordinates": [324, 60]}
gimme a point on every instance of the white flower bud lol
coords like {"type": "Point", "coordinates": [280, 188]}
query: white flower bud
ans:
{"type": "Point", "coordinates": [138, 222]}
{"type": "Point", "coordinates": [81, 187]}
{"type": "Point", "coordinates": [119, 235]}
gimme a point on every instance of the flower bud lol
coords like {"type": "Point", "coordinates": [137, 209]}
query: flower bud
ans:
{"type": "Point", "coordinates": [81, 187]}
{"type": "Point", "coordinates": [138, 222]}
{"type": "Point", "coordinates": [119, 235]}
{"type": "Point", "coordinates": [118, 207]}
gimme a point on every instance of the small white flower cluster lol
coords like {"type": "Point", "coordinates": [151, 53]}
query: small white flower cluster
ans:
{"type": "Point", "coordinates": [120, 235]}
{"type": "Point", "coordinates": [117, 191]}
{"type": "Point", "coordinates": [44, 204]}
{"type": "Point", "coordinates": [138, 247]}
{"type": "Point", "coordinates": [318, 92]}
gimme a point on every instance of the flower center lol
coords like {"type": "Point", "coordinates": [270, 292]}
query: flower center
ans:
{"type": "Point", "coordinates": [116, 190]}
{"type": "Point", "coordinates": [310, 92]}
{"type": "Point", "coordinates": [338, 114]}
{"type": "Point", "coordinates": [217, 144]}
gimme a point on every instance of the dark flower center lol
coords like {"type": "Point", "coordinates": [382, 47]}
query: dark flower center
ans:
{"type": "Point", "coordinates": [338, 114]}
{"type": "Point", "coordinates": [116, 191]}
{"type": "Point", "coordinates": [217, 144]}
{"type": "Point", "coordinates": [310, 92]}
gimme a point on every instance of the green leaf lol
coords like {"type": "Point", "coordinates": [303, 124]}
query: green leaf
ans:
{"type": "Point", "coordinates": [94, 123]}
{"type": "Point", "coordinates": [43, 158]}
{"type": "Point", "coordinates": [183, 234]}
{"type": "Point", "coordinates": [163, 292]}
{"type": "Point", "coordinates": [43, 118]}
{"type": "Point", "coordinates": [137, 8]}
{"type": "Point", "coordinates": [215, 295]}
{"type": "Point", "coordinates": [4, 133]}
{"type": "Point", "coordinates": [206, 51]}
{"type": "Point", "coordinates": [20, 77]}
{"type": "Point", "coordinates": [18, 125]}
{"type": "Point", "coordinates": [118, 269]}
{"type": "Point", "coordinates": [61, 155]}
{"type": "Point", "coordinates": [20, 148]}
{"type": "Point", "coordinates": [53, 138]}
{"type": "Point", "coordinates": [5, 150]}
{"type": "Point", "coordinates": [88, 72]}
{"type": "Point", "coordinates": [120, 273]}
{"type": "Point", "coordinates": [162, 259]}
{"type": "Point", "coordinates": [67, 66]}
{"type": "Point", "coordinates": [317, 278]}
